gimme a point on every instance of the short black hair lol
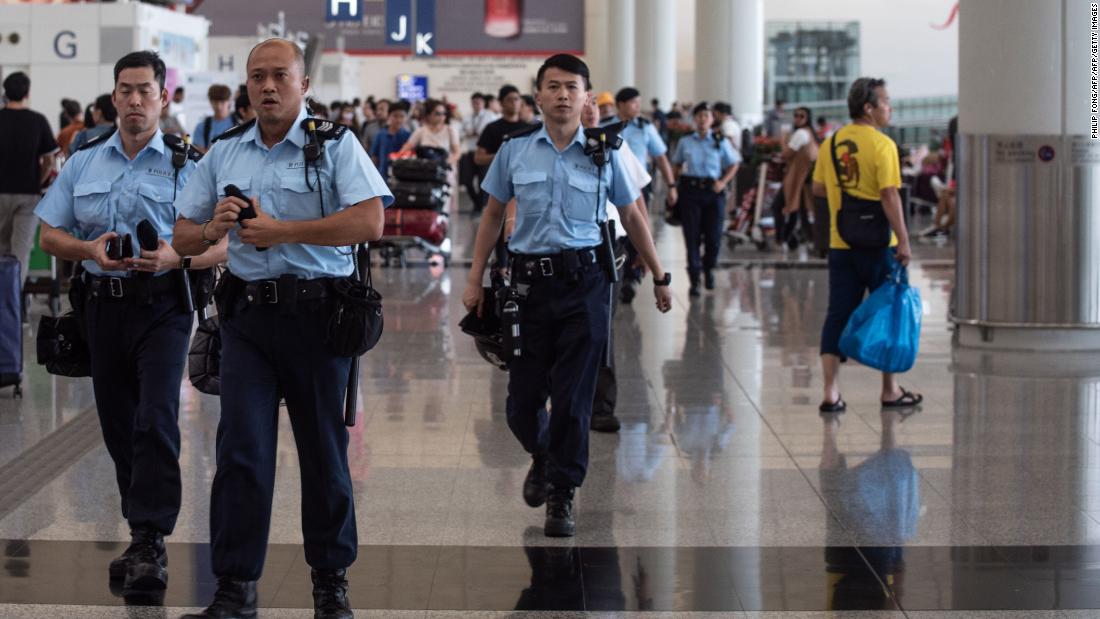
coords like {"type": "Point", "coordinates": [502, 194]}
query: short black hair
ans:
{"type": "Point", "coordinates": [106, 107]}
{"type": "Point", "coordinates": [863, 91]}
{"type": "Point", "coordinates": [702, 107]}
{"type": "Point", "coordinates": [506, 90]}
{"type": "Point", "coordinates": [178, 89]}
{"type": "Point", "coordinates": [477, 95]}
{"type": "Point", "coordinates": [568, 63]}
{"type": "Point", "coordinates": [399, 106]}
{"type": "Point", "coordinates": [723, 108]}
{"type": "Point", "coordinates": [70, 107]}
{"type": "Point", "coordinates": [242, 102]}
{"type": "Point", "coordinates": [529, 100]}
{"type": "Point", "coordinates": [654, 102]}
{"type": "Point", "coordinates": [488, 98]}
{"type": "Point", "coordinates": [626, 94]}
{"type": "Point", "coordinates": [144, 58]}
{"type": "Point", "coordinates": [17, 86]}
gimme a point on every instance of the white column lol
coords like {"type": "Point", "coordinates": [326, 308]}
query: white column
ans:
{"type": "Point", "coordinates": [656, 45]}
{"type": "Point", "coordinates": [620, 46]}
{"type": "Point", "coordinates": [729, 55]}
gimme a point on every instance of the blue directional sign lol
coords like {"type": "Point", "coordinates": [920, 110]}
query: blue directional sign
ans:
{"type": "Point", "coordinates": [399, 22]}
{"type": "Point", "coordinates": [343, 10]}
{"type": "Point", "coordinates": [425, 28]}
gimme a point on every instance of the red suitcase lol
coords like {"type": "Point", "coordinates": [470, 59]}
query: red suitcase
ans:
{"type": "Point", "coordinates": [423, 223]}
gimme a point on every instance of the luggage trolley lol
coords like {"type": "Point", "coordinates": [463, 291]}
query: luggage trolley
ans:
{"type": "Point", "coordinates": [418, 217]}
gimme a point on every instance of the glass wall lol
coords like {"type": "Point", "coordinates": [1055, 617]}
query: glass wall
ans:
{"type": "Point", "coordinates": [810, 61]}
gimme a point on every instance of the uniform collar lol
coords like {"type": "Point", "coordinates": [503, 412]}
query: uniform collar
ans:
{"type": "Point", "coordinates": [156, 143]}
{"type": "Point", "coordinates": [695, 134]}
{"type": "Point", "coordinates": [296, 135]}
{"type": "Point", "coordinates": [543, 134]}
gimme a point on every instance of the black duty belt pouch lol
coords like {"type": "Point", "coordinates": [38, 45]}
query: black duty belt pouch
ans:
{"type": "Point", "coordinates": [62, 344]}
{"type": "Point", "coordinates": [861, 223]}
{"type": "Point", "coordinates": [355, 325]}
{"type": "Point", "coordinates": [204, 358]}
{"type": "Point", "coordinates": [202, 286]}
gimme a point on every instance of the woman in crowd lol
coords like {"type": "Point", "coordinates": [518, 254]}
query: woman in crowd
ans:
{"type": "Point", "coordinates": [800, 153]}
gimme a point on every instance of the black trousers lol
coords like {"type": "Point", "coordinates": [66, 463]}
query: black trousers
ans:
{"type": "Point", "coordinates": [563, 325]}
{"type": "Point", "coordinates": [702, 212]}
{"type": "Point", "coordinates": [267, 354]}
{"type": "Point", "coordinates": [138, 352]}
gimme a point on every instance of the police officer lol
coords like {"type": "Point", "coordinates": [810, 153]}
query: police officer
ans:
{"type": "Point", "coordinates": [705, 163]}
{"type": "Point", "coordinates": [314, 192]}
{"type": "Point", "coordinates": [137, 327]}
{"type": "Point", "coordinates": [560, 274]}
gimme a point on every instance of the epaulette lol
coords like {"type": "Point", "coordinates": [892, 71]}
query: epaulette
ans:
{"type": "Point", "coordinates": [99, 139]}
{"type": "Point", "coordinates": [718, 137]}
{"type": "Point", "coordinates": [325, 129]}
{"type": "Point", "coordinates": [643, 121]}
{"type": "Point", "coordinates": [610, 135]}
{"type": "Point", "coordinates": [177, 145]}
{"type": "Point", "coordinates": [233, 131]}
{"type": "Point", "coordinates": [519, 133]}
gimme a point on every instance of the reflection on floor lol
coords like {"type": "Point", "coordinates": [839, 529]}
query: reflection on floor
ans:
{"type": "Point", "coordinates": [725, 492]}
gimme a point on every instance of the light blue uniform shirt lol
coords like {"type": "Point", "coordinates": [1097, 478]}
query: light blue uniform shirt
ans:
{"type": "Point", "coordinates": [101, 190]}
{"type": "Point", "coordinates": [276, 176]}
{"type": "Point", "coordinates": [702, 157]}
{"type": "Point", "coordinates": [217, 127]}
{"type": "Point", "coordinates": [643, 139]}
{"type": "Point", "coordinates": [556, 203]}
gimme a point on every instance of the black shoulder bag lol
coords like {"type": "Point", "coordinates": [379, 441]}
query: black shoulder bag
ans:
{"type": "Point", "coordinates": [861, 223]}
{"type": "Point", "coordinates": [355, 325]}
{"type": "Point", "coordinates": [61, 344]}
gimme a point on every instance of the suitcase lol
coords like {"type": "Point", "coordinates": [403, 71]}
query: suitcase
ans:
{"type": "Point", "coordinates": [426, 224]}
{"type": "Point", "coordinates": [418, 201]}
{"type": "Point", "coordinates": [419, 188]}
{"type": "Point", "coordinates": [419, 170]}
{"type": "Point", "coordinates": [11, 324]}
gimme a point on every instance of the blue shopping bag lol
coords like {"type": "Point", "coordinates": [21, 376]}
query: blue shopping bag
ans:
{"type": "Point", "coordinates": [884, 331]}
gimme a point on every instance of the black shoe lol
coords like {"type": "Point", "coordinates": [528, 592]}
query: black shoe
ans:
{"type": "Point", "coordinates": [604, 422]}
{"type": "Point", "coordinates": [708, 280]}
{"type": "Point", "coordinates": [559, 513]}
{"type": "Point", "coordinates": [535, 485]}
{"type": "Point", "coordinates": [330, 594]}
{"type": "Point", "coordinates": [144, 564]}
{"type": "Point", "coordinates": [234, 599]}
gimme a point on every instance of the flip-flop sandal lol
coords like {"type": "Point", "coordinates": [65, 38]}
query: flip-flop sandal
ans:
{"type": "Point", "coordinates": [907, 399]}
{"type": "Point", "coordinates": [833, 407]}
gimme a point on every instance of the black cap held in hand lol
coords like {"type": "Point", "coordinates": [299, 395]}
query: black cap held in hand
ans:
{"type": "Point", "coordinates": [147, 235]}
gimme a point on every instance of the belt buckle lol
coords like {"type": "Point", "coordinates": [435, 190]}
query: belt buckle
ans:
{"type": "Point", "coordinates": [546, 267]}
{"type": "Point", "coordinates": [269, 292]}
{"type": "Point", "coordinates": [114, 287]}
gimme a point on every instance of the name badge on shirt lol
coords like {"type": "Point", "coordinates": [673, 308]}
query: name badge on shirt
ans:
{"type": "Point", "coordinates": [295, 165]}
{"type": "Point", "coordinates": [160, 173]}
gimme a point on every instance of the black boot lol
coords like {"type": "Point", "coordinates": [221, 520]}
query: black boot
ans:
{"type": "Point", "coordinates": [535, 485]}
{"type": "Point", "coordinates": [693, 280]}
{"type": "Point", "coordinates": [604, 422]}
{"type": "Point", "coordinates": [144, 564]}
{"type": "Point", "coordinates": [708, 279]}
{"type": "Point", "coordinates": [234, 599]}
{"type": "Point", "coordinates": [330, 594]}
{"type": "Point", "coordinates": [559, 513]}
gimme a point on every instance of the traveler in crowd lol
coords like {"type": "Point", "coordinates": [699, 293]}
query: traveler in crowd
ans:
{"type": "Point", "coordinates": [529, 111]}
{"type": "Point", "coordinates": [560, 277]}
{"type": "Point", "coordinates": [169, 125]}
{"type": "Point", "coordinates": [727, 124]}
{"type": "Point", "coordinates": [74, 122]}
{"type": "Point", "coordinates": [347, 118]}
{"type": "Point", "coordinates": [705, 164]}
{"type": "Point", "coordinates": [773, 120]}
{"type": "Point", "coordinates": [659, 118]}
{"type": "Point", "coordinates": [137, 327]}
{"type": "Point", "coordinates": [26, 159]}
{"type": "Point", "coordinates": [862, 162]}
{"type": "Point", "coordinates": [606, 102]}
{"type": "Point", "coordinates": [472, 126]}
{"type": "Point", "coordinates": [438, 132]}
{"type": "Point", "coordinates": [799, 152]}
{"type": "Point", "coordinates": [175, 106]}
{"type": "Point", "coordinates": [289, 291]}
{"type": "Point", "coordinates": [242, 109]}
{"type": "Point", "coordinates": [391, 139]}
{"type": "Point", "coordinates": [494, 105]}
{"type": "Point", "coordinates": [824, 128]}
{"type": "Point", "coordinates": [219, 122]}
{"type": "Point", "coordinates": [370, 125]}
{"type": "Point", "coordinates": [103, 120]}
{"type": "Point", "coordinates": [494, 133]}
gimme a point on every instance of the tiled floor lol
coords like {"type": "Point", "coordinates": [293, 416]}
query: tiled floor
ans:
{"type": "Point", "coordinates": [725, 492]}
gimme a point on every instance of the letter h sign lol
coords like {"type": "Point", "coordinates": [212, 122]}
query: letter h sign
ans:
{"type": "Point", "coordinates": [343, 10]}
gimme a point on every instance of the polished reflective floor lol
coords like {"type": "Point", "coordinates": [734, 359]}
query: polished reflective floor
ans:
{"type": "Point", "coordinates": [725, 493]}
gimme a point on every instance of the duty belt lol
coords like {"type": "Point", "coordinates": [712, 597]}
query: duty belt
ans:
{"type": "Point", "coordinates": [285, 290]}
{"type": "Point", "coordinates": [535, 266]}
{"type": "Point", "coordinates": [128, 288]}
{"type": "Point", "coordinates": [697, 182]}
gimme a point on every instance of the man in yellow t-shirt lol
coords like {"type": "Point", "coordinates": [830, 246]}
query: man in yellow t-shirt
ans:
{"type": "Point", "coordinates": [867, 162]}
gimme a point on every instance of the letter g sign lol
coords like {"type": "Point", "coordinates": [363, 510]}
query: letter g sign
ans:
{"type": "Point", "coordinates": [64, 44]}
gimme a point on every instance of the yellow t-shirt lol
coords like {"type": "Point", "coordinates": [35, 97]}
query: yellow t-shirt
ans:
{"type": "Point", "coordinates": [868, 161]}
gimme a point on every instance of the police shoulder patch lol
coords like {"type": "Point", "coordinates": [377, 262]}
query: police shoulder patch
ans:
{"type": "Point", "coordinates": [643, 121]}
{"type": "Point", "coordinates": [234, 131]}
{"type": "Point", "coordinates": [177, 145]}
{"type": "Point", "coordinates": [326, 129]}
{"type": "Point", "coordinates": [98, 140]}
{"type": "Point", "coordinates": [519, 133]}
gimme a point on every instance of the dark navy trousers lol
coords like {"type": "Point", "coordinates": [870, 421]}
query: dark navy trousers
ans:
{"type": "Point", "coordinates": [267, 354]}
{"type": "Point", "coordinates": [701, 212]}
{"type": "Point", "coordinates": [138, 352]}
{"type": "Point", "coordinates": [563, 325]}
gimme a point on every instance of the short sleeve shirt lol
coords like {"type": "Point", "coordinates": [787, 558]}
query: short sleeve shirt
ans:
{"type": "Point", "coordinates": [868, 162]}
{"type": "Point", "coordinates": [643, 139]}
{"type": "Point", "coordinates": [26, 136]}
{"type": "Point", "coordinates": [704, 157]}
{"type": "Point", "coordinates": [560, 195]}
{"type": "Point", "coordinates": [277, 177]}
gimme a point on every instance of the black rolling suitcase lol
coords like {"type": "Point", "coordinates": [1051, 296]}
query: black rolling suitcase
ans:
{"type": "Point", "coordinates": [11, 324]}
{"type": "Point", "coordinates": [410, 194]}
{"type": "Point", "coordinates": [421, 170]}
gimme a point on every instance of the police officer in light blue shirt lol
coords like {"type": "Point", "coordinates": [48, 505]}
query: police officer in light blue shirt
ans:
{"type": "Point", "coordinates": [315, 193]}
{"type": "Point", "coordinates": [559, 279]}
{"type": "Point", "coordinates": [705, 164]}
{"type": "Point", "coordinates": [133, 308]}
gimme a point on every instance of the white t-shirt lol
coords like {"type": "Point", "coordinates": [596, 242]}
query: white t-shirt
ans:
{"type": "Point", "coordinates": [732, 130]}
{"type": "Point", "coordinates": [800, 138]}
{"type": "Point", "coordinates": [443, 138]}
{"type": "Point", "coordinates": [476, 124]}
{"type": "Point", "coordinates": [639, 178]}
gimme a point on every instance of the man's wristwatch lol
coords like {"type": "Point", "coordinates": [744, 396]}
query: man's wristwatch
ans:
{"type": "Point", "coordinates": [185, 262]}
{"type": "Point", "coordinates": [202, 234]}
{"type": "Point", "coordinates": [666, 280]}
